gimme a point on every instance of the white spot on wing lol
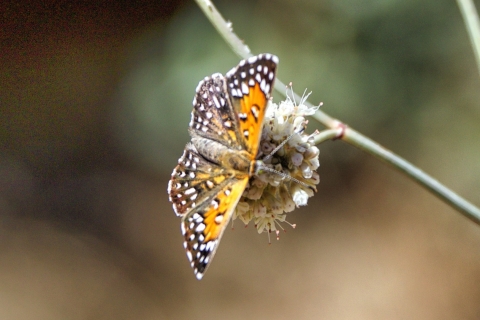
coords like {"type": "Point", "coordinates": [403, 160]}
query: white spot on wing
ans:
{"type": "Point", "coordinates": [210, 247]}
{"type": "Point", "coordinates": [255, 112]}
{"type": "Point", "coordinates": [252, 59]}
{"type": "Point", "coordinates": [262, 85]}
{"type": "Point", "coordinates": [190, 191]}
{"type": "Point", "coordinates": [219, 219]}
{"type": "Point", "coordinates": [217, 103]}
{"type": "Point", "coordinates": [182, 227]}
{"type": "Point", "coordinates": [245, 89]}
{"type": "Point", "coordinates": [200, 227]}
{"type": "Point", "coordinates": [215, 203]}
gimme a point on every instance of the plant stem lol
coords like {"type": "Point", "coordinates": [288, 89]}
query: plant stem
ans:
{"type": "Point", "coordinates": [463, 206]}
{"type": "Point", "coordinates": [328, 134]}
{"type": "Point", "coordinates": [472, 23]}
{"type": "Point", "coordinates": [347, 134]}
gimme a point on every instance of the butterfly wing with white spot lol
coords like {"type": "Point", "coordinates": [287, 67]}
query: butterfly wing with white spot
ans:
{"type": "Point", "coordinates": [194, 180]}
{"type": "Point", "coordinates": [204, 226]}
{"type": "Point", "coordinates": [205, 195]}
{"type": "Point", "coordinates": [250, 86]}
{"type": "Point", "coordinates": [213, 116]}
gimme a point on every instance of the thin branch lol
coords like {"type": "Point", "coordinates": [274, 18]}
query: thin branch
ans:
{"type": "Point", "coordinates": [347, 134]}
{"type": "Point", "coordinates": [447, 195]}
{"type": "Point", "coordinates": [328, 134]}
{"type": "Point", "coordinates": [225, 28]}
{"type": "Point", "coordinates": [472, 23]}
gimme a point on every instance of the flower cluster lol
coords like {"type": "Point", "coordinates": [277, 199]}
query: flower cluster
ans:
{"type": "Point", "coordinates": [287, 177]}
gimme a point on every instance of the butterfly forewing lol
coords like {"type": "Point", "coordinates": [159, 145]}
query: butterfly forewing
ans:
{"type": "Point", "coordinates": [205, 195]}
{"type": "Point", "coordinates": [203, 227]}
{"type": "Point", "coordinates": [250, 85]}
{"type": "Point", "coordinates": [213, 116]}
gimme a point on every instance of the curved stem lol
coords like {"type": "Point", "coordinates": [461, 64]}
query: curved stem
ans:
{"type": "Point", "coordinates": [463, 206]}
{"type": "Point", "coordinates": [472, 23]}
{"type": "Point", "coordinates": [242, 50]}
{"type": "Point", "coordinates": [327, 135]}
{"type": "Point", "coordinates": [347, 134]}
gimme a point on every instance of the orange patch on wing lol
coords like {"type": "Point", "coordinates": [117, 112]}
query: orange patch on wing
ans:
{"type": "Point", "coordinates": [254, 105]}
{"type": "Point", "coordinates": [215, 226]}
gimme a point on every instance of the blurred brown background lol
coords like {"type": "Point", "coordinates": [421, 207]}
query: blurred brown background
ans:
{"type": "Point", "coordinates": [95, 100]}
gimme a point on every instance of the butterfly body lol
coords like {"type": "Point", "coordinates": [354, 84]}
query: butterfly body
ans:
{"type": "Point", "coordinates": [225, 128]}
{"type": "Point", "coordinates": [239, 160]}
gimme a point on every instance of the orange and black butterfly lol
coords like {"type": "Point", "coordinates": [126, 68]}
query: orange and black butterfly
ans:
{"type": "Point", "coordinates": [212, 173]}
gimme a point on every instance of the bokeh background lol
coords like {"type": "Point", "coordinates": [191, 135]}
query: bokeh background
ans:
{"type": "Point", "coordinates": [95, 99]}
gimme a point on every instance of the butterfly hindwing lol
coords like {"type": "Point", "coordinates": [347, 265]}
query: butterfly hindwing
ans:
{"type": "Point", "coordinates": [194, 180]}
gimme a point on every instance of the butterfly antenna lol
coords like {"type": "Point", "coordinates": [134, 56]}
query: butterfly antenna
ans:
{"type": "Point", "coordinates": [285, 176]}
{"type": "Point", "coordinates": [283, 143]}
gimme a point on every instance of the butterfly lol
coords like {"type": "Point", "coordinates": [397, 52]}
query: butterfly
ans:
{"type": "Point", "coordinates": [216, 165]}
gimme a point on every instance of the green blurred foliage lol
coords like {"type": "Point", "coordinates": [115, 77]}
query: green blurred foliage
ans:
{"type": "Point", "coordinates": [95, 101]}
{"type": "Point", "coordinates": [376, 65]}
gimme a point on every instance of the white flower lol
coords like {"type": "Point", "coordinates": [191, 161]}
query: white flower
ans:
{"type": "Point", "coordinates": [269, 195]}
{"type": "Point", "coordinates": [242, 212]}
{"type": "Point", "coordinates": [300, 195]}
